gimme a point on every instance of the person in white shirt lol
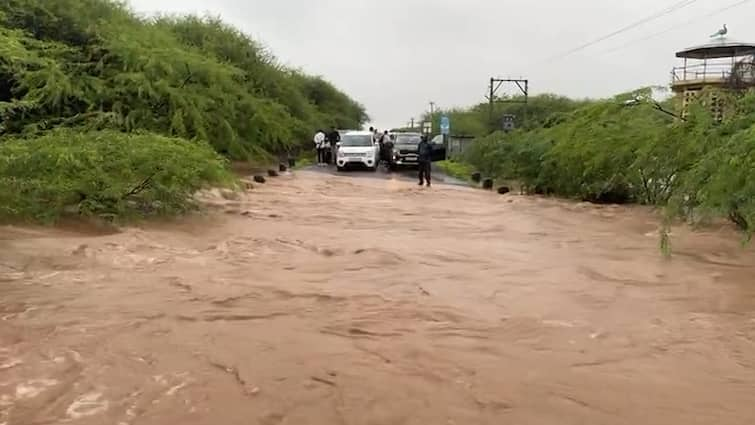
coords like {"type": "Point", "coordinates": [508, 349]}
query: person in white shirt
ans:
{"type": "Point", "coordinates": [319, 141]}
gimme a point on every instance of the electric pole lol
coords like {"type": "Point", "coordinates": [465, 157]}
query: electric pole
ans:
{"type": "Point", "coordinates": [493, 98]}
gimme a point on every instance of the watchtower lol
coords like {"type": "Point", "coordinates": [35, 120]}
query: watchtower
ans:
{"type": "Point", "coordinates": [722, 63]}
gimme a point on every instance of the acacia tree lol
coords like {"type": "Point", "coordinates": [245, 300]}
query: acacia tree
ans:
{"type": "Point", "coordinates": [92, 87]}
{"type": "Point", "coordinates": [95, 64]}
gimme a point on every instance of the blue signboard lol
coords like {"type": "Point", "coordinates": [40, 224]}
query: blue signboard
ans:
{"type": "Point", "coordinates": [445, 125]}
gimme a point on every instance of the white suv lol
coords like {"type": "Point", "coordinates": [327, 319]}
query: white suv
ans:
{"type": "Point", "coordinates": [357, 149]}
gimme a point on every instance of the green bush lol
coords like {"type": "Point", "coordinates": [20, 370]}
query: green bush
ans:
{"type": "Point", "coordinates": [605, 151]}
{"type": "Point", "coordinates": [105, 113]}
{"type": "Point", "coordinates": [539, 111]}
{"type": "Point", "coordinates": [104, 174]}
{"type": "Point", "coordinates": [717, 164]}
{"type": "Point", "coordinates": [94, 64]}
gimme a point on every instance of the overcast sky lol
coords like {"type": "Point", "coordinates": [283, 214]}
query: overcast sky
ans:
{"type": "Point", "coordinates": [394, 56]}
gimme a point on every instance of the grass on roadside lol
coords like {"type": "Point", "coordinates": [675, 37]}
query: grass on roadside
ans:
{"type": "Point", "coordinates": [458, 170]}
{"type": "Point", "coordinates": [304, 161]}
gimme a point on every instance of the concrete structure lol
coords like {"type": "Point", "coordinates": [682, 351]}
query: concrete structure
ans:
{"type": "Point", "coordinates": [721, 63]}
{"type": "Point", "coordinates": [458, 145]}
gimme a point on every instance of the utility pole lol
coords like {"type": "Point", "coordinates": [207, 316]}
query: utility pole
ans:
{"type": "Point", "coordinates": [432, 113]}
{"type": "Point", "coordinates": [495, 85]}
{"type": "Point", "coordinates": [491, 98]}
{"type": "Point", "coordinates": [412, 124]}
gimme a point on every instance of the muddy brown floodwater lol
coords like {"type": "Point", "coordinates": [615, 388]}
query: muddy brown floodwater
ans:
{"type": "Point", "coordinates": [320, 299]}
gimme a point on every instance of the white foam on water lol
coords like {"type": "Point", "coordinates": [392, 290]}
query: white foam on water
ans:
{"type": "Point", "coordinates": [559, 323]}
{"type": "Point", "coordinates": [6, 400]}
{"type": "Point", "coordinates": [76, 356]}
{"type": "Point", "coordinates": [176, 388]}
{"type": "Point", "coordinates": [87, 405]}
{"type": "Point", "coordinates": [49, 275]}
{"type": "Point", "coordinates": [33, 388]}
{"type": "Point", "coordinates": [11, 363]}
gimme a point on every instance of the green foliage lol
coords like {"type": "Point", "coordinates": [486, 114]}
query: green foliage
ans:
{"type": "Point", "coordinates": [540, 111]}
{"type": "Point", "coordinates": [104, 174]}
{"type": "Point", "coordinates": [459, 170]}
{"type": "Point", "coordinates": [718, 178]}
{"type": "Point", "coordinates": [94, 64]}
{"type": "Point", "coordinates": [95, 100]}
{"type": "Point", "coordinates": [606, 151]}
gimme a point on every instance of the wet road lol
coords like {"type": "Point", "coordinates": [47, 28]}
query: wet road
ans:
{"type": "Point", "coordinates": [407, 173]}
{"type": "Point", "coordinates": [324, 299]}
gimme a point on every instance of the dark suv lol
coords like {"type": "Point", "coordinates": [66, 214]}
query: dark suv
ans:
{"type": "Point", "coordinates": [405, 149]}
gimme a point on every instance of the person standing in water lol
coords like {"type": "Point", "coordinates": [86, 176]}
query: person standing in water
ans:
{"type": "Point", "coordinates": [425, 158]}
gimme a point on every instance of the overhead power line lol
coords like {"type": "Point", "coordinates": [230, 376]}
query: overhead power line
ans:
{"type": "Point", "coordinates": [667, 11]}
{"type": "Point", "coordinates": [676, 27]}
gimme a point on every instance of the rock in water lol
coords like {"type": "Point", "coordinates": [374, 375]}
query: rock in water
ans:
{"type": "Point", "coordinates": [272, 173]}
{"type": "Point", "coordinates": [476, 177]}
{"type": "Point", "coordinates": [487, 184]}
{"type": "Point", "coordinates": [259, 179]}
{"type": "Point", "coordinates": [503, 190]}
{"type": "Point", "coordinates": [282, 168]}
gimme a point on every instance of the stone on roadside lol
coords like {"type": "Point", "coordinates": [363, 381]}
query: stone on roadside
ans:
{"type": "Point", "coordinates": [476, 177]}
{"type": "Point", "coordinates": [259, 179]}
{"type": "Point", "coordinates": [487, 184]}
{"type": "Point", "coordinates": [282, 168]}
{"type": "Point", "coordinates": [272, 173]}
{"type": "Point", "coordinates": [503, 190]}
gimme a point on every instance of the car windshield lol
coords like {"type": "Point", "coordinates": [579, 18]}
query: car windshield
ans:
{"type": "Point", "coordinates": [407, 139]}
{"type": "Point", "coordinates": [356, 140]}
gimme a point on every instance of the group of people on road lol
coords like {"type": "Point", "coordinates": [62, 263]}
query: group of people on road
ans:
{"type": "Point", "coordinates": [384, 141]}
{"type": "Point", "coordinates": [325, 144]}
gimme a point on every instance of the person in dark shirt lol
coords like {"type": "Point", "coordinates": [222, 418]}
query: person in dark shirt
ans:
{"type": "Point", "coordinates": [333, 138]}
{"type": "Point", "coordinates": [425, 157]}
{"type": "Point", "coordinates": [383, 143]}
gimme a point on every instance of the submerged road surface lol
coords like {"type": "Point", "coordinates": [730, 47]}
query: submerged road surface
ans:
{"type": "Point", "coordinates": [320, 299]}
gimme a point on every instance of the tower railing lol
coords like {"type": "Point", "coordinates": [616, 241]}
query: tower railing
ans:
{"type": "Point", "coordinates": [710, 73]}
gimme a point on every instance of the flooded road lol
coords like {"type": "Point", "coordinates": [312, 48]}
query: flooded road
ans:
{"type": "Point", "coordinates": [319, 299]}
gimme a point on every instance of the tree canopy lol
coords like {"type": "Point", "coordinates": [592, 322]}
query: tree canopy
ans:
{"type": "Point", "coordinates": [607, 151]}
{"type": "Point", "coordinates": [106, 113]}
{"type": "Point", "coordinates": [97, 65]}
